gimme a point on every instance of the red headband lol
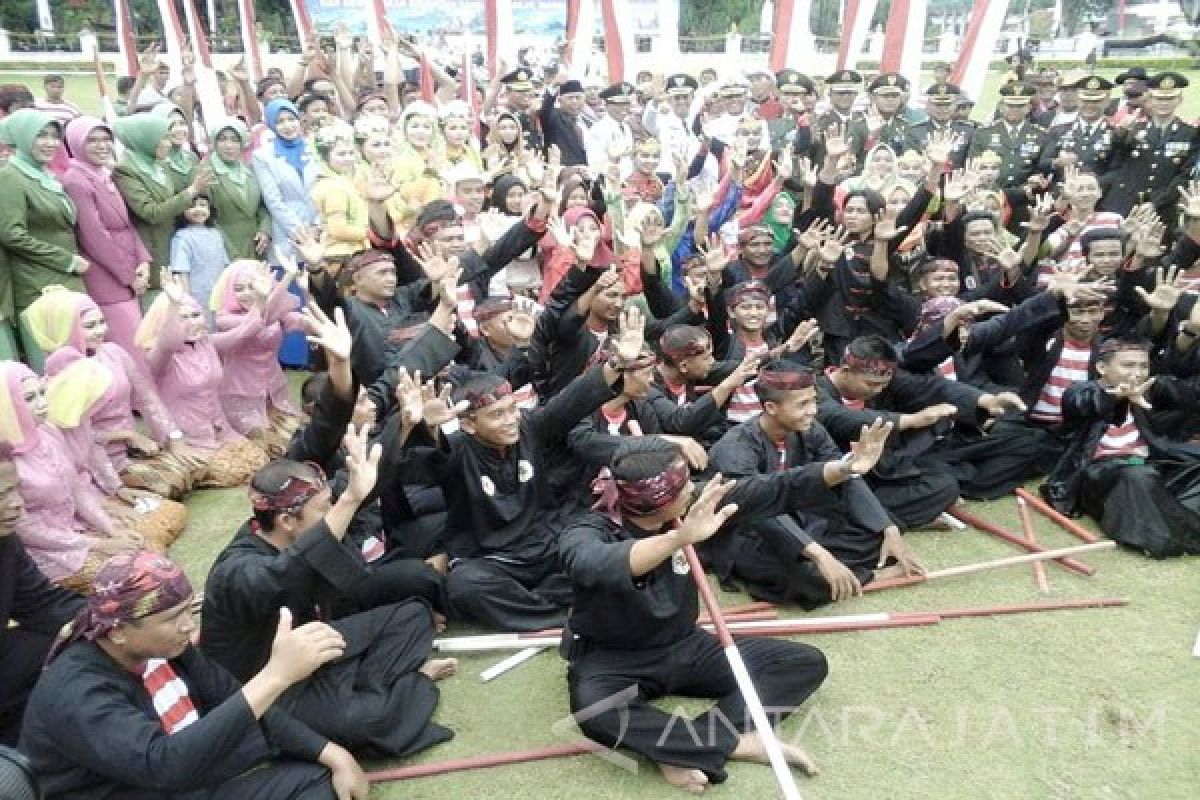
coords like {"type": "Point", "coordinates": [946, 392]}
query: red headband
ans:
{"type": "Point", "coordinates": [1110, 346]}
{"type": "Point", "coordinates": [700, 343]}
{"type": "Point", "coordinates": [648, 495]}
{"type": "Point", "coordinates": [478, 400]}
{"type": "Point", "coordinates": [489, 309]}
{"type": "Point", "coordinates": [872, 366]}
{"type": "Point", "coordinates": [785, 380]}
{"type": "Point", "coordinates": [751, 290]}
{"type": "Point", "coordinates": [429, 229]}
{"type": "Point", "coordinates": [939, 265]}
{"type": "Point", "coordinates": [291, 497]}
{"type": "Point", "coordinates": [748, 235]}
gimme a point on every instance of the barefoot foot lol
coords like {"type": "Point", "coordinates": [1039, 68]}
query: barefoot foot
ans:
{"type": "Point", "coordinates": [690, 780]}
{"type": "Point", "coordinates": [439, 668]}
{"type": "Point", "coordinates": [751, 748]}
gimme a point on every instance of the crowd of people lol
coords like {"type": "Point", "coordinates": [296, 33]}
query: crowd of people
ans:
{"type": "Point", "coordinates": [556, 331]}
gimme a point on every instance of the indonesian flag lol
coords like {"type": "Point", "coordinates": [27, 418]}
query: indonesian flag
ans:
{"type": "Point", "coordinates": [466, 91]}
{"type": "Point", "coordinates": [304, 25]}
{"type": "Point", "coordinates": [573, 7]}
{"type": "Point", "coordinates": [498, 20]}
{"type": "Point", "coordinates": [618, 37]}
{"type": "Point", "coordinates": [903, 39]}
{"type": "Point", "coordinates": [254, 61]}
{"type": "Point", "coordinates": [379, 29]}
{"type": "Point", "coordinates": [125, 43]}
{"type": "Point", "coordinates": [854, 32]}
{"type": "Point", "coordinates": [792, 32]}
{"type": "Point", "coordinates": [978, 45]}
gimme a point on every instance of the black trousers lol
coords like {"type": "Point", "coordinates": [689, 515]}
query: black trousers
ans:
{"type": "Point", "coordinates": [509, 597]}
{"type": "Point", "coordinates": [611, 692]}
{"type": "Point", "coordinates": [1135, 508]}
{"type": "Point", "coordinates": [20, 667]}
{"type": "Point", "coordinates": [992, 464]}
{"type": "Point", "coordinates": [279, 781]}
{"type": "Point", "coordinates": [394, 578]}
{"type": "Point", "coordinates": [918, 499]}
{"type": "Point", "coordinates": [771, 573]}
{"type": "Point", "coordinates": [373, 700]}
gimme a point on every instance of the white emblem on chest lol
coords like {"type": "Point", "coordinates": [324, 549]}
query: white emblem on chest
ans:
{"type": "Point", "coordinates": [679, 563]}
{"type": "Point", "coordinates": [488, 487]}
{"type": "Point", "coordinates": [524, 471]}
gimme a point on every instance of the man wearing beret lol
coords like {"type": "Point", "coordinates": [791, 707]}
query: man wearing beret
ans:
{"type": "Point", "coordinates": [1018, 141]}
{"type": "Point", "coordinates": [1155, 154]}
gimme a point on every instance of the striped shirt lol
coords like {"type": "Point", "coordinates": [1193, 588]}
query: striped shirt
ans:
{"type": "Point", "coordinates": [1072, 367]}
{"type": "Point", "coordinates": [169, 694]}
{"type": "Point", "coordinates": [1122, 441]}
{"type": "Point", "coordinates": [743, 403]}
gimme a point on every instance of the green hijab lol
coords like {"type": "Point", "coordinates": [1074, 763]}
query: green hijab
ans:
{"type": "Point", "coordinates": [236, 170]}
{"type": "Point", "coordinates": [179, 158]}
{"type": "Point", "coordinates": [140, 134]}
{"type": "Point", "coordinates": [22, 128]}
{"type": "Point", "coordinates": [781, 232]}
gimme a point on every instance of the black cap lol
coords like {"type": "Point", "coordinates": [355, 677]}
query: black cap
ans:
{"type": "Point", "coordinates": [888, 82]}
{"type": "Point", "coordinates": [1017, 92]}
{"type": "Point", "coordinates": [792, 81]}
{"type": "Point", "coordinates": [519, 79]}
{"type": "Point", "coordinates": [943, 93]}
{"type": "Point", "coordinates": [618, 93]}
{"type": "Point", "coordinates": [1091, 87]}
{"type": "Point", "coordinates": [571, 87]}
{"type": "Point", "coordinates": [844, 79]}
{"type": "Point", "coordinates": [681, 83]}
{"type": "Point", "coordinates": [1166, 84]}
{"type": "Point", "coordinates": [1132, 74]}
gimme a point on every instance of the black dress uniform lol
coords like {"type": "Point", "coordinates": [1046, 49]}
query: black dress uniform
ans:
{"type": "Point", "coordinates": [793, 126]}
{"type": "Point", "coordinates": [1153, 160]}
{"type": "Point", "coordinates": [854, 125]}
{"type": "Point", "coordinates": [895, 130]}
{"type": "Point", "coordinates": [521, 80]}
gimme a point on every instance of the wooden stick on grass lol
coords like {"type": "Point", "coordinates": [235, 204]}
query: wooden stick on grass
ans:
{"type": "Point", "coordinates": [1039, 569]}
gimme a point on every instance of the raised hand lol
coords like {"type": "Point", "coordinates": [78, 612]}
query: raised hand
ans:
{"type": "Point", "coordinates": [1148, 240]}
{"type": "Point", "coordinates": [708, 513]}
{"type": "Point", "coordinates": [410, 397]}
{"type": "Point", "coordinates": [811, 238]}
{"type": "Point", "coordinates": [1168, 288]}
{"type": "Point", "coordinates": [866, 452]}
{"type": "Point", "coordinates": [332, 336]}
{"type": "Point", "coordinates": [631, 335]}
{"type": "Point", "coordinates": [715, 256]}
{"type": "Point", "coordinates": [440, 407]}
{"type": "Point", "coordinates": [940, 145]}
{"type": "Point", "coordinates": [1189, 197]}
{"type": "Point", "coordinates": [148, 59]}
{"type": "Point", "coordinates": [433, 263]}
{"type": "Point", "coordinates": [172, 285]}
{"type": "Point", "coordinates": [834, 245]}
{"type": "Point", "coordinates": [836, 143]}
{"type": "Point", "coordinates": [800, 336]}
{"type": "Point", "coordinates": [310, 243]}
{"type": "Point", "coordinates": [1040, 213]}
{"type": "Point", "coordinates": [362, 461]}
{"type": "Point", "coordinates": [885, 227]}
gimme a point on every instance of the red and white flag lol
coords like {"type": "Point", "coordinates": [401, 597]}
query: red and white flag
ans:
{"type": "Point", "coordinates": [854, 32]}
{"type": "Point", "coordinates": [904, 39]}
{"type": "Point", "coordinates": [573, 8]}
{"type": "Point", "coordinates": [304, 25]}
{"type": "Point", "coordinates": [466, 91]}
{"type": "Point", "coordinates": [793, 39]}
{"type": "Point", "coordinates": [199, 40]}
{"type": "Point", "coordinates": [172, 33]}
{"type": "Point", "coordinates": [379, 29]}
{"type": "Point", "coordinates": [618, 37]}
{"type": "Point", "coordinates": [126, 45]}
{"type": "Point", "coordinates": [249, 25]}
{"type": "Point", "coordinates": [498, 21]}
{"type": "Point", "coordinates": [978, 46]}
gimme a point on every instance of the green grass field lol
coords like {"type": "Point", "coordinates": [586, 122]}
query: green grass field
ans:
{"type": "Point", "coordinates": [1079, 705]}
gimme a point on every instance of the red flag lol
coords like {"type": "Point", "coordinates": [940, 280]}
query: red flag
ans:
{"type": "Point", "coordinates": [491, 25]}
{"type": "Point", "coordinates": [466, 90]}
{"type": "Point", "coordinates": [125, 43]}
{"type": "Point", "coordinates": [782, 27]}
{"type": "Point", "coordinates": [426, 80]}
{"type": "Point", "coordinates": [854, 31]}
{"type": "Point", "coordinates": [249, 26]}
{"type": "Point", "coordinates": [304, 26]}
{"type": "Point", "coordinates": [572, 30]}
{"type": "Point", "coordinates": [614, 45]}
{"type": "Point", "coordinates": [903, 39]}
{"type": "Point", "coordinates": [199, 40]}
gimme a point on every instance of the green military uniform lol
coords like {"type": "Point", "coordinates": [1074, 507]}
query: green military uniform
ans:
{"type": "Point", "coordinates": [855, 125]}
{"type": "Point", "coordinates": [895, 130]}
{"type": "Point", "coordinates": [1020, 146]}
{"type": "Point", "coordinates": [236, 198]}
{"type": "Point", "coordinates": [794, 126]}
{"type": "Point", "coordinates": [942, 97]}
{"type": "Point", "coordinates": [1093, 143]}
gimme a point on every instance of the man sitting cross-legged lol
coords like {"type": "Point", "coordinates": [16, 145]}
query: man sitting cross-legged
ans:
{"type": "Point", "coordinates": [632, 635]}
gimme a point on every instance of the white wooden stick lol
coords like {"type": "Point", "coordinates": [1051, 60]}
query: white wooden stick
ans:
{"type": "Point", "coordinates": [515, 660]}
{"type": "Point", "coordinates": [1027, 558]}
{"type": "Point", "coordinates": [953, 522]}
{"type": "Point", "coordinates": [1196, 649]}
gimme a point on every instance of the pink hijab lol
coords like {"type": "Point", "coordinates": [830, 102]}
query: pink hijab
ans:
{"type": "Point", "coordinates": [18, 428]}
{"type": "Point", "coordinates": [75, 137]}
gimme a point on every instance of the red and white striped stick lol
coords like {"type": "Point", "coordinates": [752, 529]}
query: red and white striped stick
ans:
{"type": "Point", "coordinates": [1039, 569]}
{"type": "Point", "coordinates": [249, 29]}
{"type": "Point", "coordinates": [978, 46]}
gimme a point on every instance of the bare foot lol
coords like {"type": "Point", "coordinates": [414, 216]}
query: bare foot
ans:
{"type": "Point", "coordinates": [439, 622]}
{"type": "Point", "coordinates": [894, 571]}
{"type": "Point", "coordinates": [690, 780]}
{"type": "Point", "coordinates": [438, 668]}
{"type": "Point", "coordinates": [750, 748]}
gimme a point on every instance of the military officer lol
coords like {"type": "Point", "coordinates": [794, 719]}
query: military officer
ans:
{"type": "Point", "coordinates": [670, 120]}
{"type": "Point", "coordinates": [1088, 141]}
{"type": "Point", "coordinates": [888, 91]}
{"type": "Point", "coordinates": [612, 134]}
{"type": "Point", "coordinates": [518, 95]}
{"type": "Point", "coordinates": [843, 87]}
{"type": "Point", "coordinates": [1155, 154]}
{"type": "Point", "coordinates": [1018, 141]}
{"type": "Point", "coordinates": [941, 100]}
{"type": "Point", "coordinates": [798, 94]}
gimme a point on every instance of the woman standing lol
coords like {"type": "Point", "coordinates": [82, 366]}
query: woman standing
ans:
{"type": "Point", "coordinates": [107, 239]}
{"type": "Point", "coordinates": [148, 188]}
{"type": "Point", "coordinates": [286, 172]}
{"type": "Point", "coordinates": [236, 196]}
{"type": "Point", "coordinates": [37, 218]}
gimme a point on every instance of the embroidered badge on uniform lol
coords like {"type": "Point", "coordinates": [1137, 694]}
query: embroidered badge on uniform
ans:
{"type": "Point", "coordinates": [679, 563]}
{"type": "Point", "coordinates": [524, 471]}
{"type": "Point", "coordinates": [488, 487]}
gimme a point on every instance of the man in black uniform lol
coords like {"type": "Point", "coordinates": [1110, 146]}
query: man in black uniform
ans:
{"type": "Point", "coordinates": [1018, 141]}
{"type": "Point", "coordinates": [1088, 141]}
{"type": "Point", "coordinates": [633, 622]}
{"type": "Point", "coordinates": [1154, 155]}
{"type": "Point", "coordinates": [887, 97]}
{"type": "Point", "coordinates": [941, 100]}
{"type": "Point", "coordinates": [563, 124]}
